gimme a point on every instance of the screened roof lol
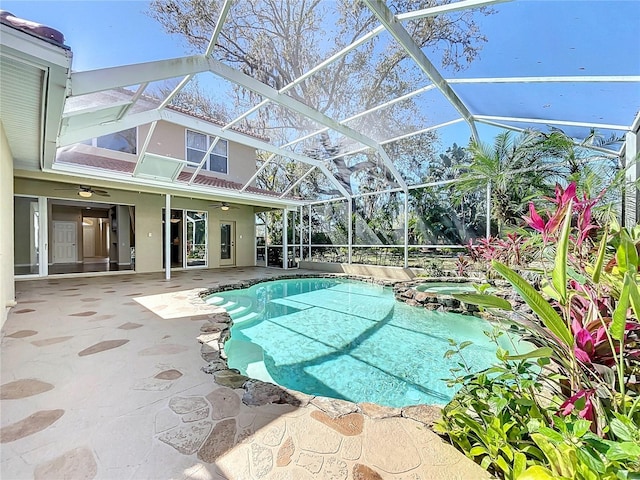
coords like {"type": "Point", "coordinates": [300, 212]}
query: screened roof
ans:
{"type": "Point", "coordinates": [332, 127]}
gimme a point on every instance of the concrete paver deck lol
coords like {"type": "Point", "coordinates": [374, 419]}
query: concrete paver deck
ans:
{"type": "Point", "coordinates": [101, 378]}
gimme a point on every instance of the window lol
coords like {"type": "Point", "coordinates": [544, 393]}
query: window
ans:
{"type": "Point", "coordinates": [197, 146]}
{"type": "Point", "coordinates": [124, 141]}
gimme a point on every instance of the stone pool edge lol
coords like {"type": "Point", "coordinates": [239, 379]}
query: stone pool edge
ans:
{"type": "Point", "coordinates": [215, 333]}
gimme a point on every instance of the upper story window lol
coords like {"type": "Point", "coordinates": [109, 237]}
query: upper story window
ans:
{"type": "Point", "coordinates": [197, 146]}
{"type": "Point", "coordinates": [124, 141]}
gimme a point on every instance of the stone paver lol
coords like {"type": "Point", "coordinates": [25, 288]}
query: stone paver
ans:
{"type": "Point", "coordinates": [76, 464]}
{"type": "Point", "coordinates": [28, 426]}
{"type": "Point", "coordinates": [110, 382]}
{"type": "Point", "coordinates": [23, 388]}
{"type": "Point", "coordinates": [187, 439]}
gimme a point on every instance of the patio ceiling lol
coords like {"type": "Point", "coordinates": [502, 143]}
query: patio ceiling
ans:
{"type": "Point", "coordinates": [565, 87]}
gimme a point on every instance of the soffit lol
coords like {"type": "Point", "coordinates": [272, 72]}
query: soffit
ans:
{"type": "Point", "coordinates": [34, 73]}
{"type": "Point", "coordinates": [21, 108]}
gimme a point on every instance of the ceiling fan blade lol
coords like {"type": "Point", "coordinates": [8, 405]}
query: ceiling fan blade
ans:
{"type": "Point", "coordinates": [223, 206]}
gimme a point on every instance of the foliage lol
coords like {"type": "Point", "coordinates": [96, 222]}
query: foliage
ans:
{"type": "Point", "coordinates": [518, 168]}
{"type": "Point", "coordinates": [276, 41]}
{"type": "Point", "coordinates": [582, 391]}
{"type": "Point", "coordinates": [509, 251]}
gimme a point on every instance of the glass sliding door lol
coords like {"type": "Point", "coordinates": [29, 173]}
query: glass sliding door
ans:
{"type": "Point", "coordinates": [189, 244]}
{"type": "Point", "coordinates": [29, 237]}
{"type": "Point", "coordinates": [196, 235]}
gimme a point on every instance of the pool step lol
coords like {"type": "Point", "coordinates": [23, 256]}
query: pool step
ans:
{"type": "Point", "coordinates": [236, 310]}
{"type": "Point", "coordinates": [228, 305]}
{"type": "Point", "coordinates": [244, 318]}
{"type": "Point", "coordinates": [215, 300]}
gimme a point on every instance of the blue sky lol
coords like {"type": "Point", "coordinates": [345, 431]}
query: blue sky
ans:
{"type": "Point", "coordinates": [541, 37]}
{"type": "Point", "coordinates": [102, 34]}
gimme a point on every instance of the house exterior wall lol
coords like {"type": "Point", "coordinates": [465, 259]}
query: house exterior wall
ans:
{"type": "Point", "coordinates": [242, 163]}
{"type": "Point", "coordinates": [7, 285]}
{"type": "Point", "coordinates": [22, 230]}
{"type": "Point", "coordinates": [169, 140]}
{"type": "Point", "coordinates": [148, 210]}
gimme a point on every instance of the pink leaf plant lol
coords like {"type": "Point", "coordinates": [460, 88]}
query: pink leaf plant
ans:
{"type": "Point", "coordinates": [590, 318]}
{"type": "Point", "coordinates": [575, 401]}
{"type": "Point", "coordinates": [550, 227]}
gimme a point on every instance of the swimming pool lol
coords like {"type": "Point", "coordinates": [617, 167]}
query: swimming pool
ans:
{"type": "Point", "coordinates": [349, 340]}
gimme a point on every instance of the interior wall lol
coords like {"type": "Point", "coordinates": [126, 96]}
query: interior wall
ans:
{"type": "Point", "coordinates": [94, 237]}
{"type": "Point", "coordinates": [7, 285]}
{"type": "Point", "coordinates": [96, 217]}
{"type": "Point", "coordinates": [124, 240]}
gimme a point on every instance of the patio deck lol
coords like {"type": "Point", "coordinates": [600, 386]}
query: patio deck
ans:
{"type": "Point", "coordinates": [101, 379]}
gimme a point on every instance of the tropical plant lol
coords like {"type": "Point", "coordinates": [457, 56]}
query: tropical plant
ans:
{"type": "Point", "coordinates": [517, 168]}
{"type": "Point", "coordinates": [584, 383]}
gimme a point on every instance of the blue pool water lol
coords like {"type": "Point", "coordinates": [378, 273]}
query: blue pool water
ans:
{"type": "Point", "coordinates": [350, 340]}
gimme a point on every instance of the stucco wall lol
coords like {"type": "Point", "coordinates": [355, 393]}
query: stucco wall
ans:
{"type": "Point", "coordinates": [148, 222]}
{"type": "Point", "coordinates": [242, 162]}
{"type": "Point", "coordinates": [7, 285]}
{"type": "Point", "coordinates": [22, 231]}
{"type": "Point", "coordinates": [170, 140]}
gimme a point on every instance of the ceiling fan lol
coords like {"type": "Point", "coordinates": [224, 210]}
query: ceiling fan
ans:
{"type": "Point", "coordinates": [87, 192]}
{"type": "Point", "coordinates": [223, 206]}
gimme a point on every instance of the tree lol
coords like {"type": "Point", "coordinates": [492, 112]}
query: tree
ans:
{"type": "Point", "coordinates": [276, 41]}
{"type": "Point", "coordinates": [518, 168]}
{"type": "Point", "coordinates": [193, 99]}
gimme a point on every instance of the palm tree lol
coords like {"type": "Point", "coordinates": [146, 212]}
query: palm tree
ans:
{"type": "Point", "coordinates": [518, 168]}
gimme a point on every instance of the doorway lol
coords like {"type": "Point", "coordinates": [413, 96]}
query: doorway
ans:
{"type": "Point", "coordinates": [188, 238]}
{"type": "Point", "coordinates": [227, 244]}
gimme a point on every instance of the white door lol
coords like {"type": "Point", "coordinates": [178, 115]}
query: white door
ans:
{"type": "Point", "coordinates": [64, 242]}
{"type": "Point", "coordinates": [227, 244]}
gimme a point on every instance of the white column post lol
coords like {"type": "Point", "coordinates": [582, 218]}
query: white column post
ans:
{"type": "Point", "coordinates": [309, 232]}
{"type": "Point", "coordinates": [301, 232]}
{"type": "Point", "coordinates": [631, 194]}
{"type": "Point", "coordinates": [285, 240]}
{"type": "Point", "coordinates": [43, 241]}
{"type": "Point", "coordinates": [488, 233]}
{"type": "Point", "coordinates": [350, 229]}
{"type": "Point", "coordinates": [267, 215]}
{"type": "Point", "coordinates": [406, 229]}
{"type": "Point", "coordinates": [293, 240]}
{"type": "Point", "coordinates": [167, 237]}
